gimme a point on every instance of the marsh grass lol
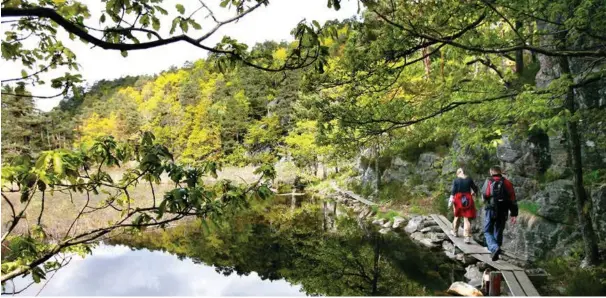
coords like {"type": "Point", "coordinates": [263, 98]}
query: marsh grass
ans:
{"type": "Point", "coordinates": [61, 209]}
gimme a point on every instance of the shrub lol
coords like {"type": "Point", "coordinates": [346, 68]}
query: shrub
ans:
{"type": "Point", "coordinates": [567, 278]}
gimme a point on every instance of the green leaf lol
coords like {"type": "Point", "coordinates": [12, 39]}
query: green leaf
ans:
{"type": "Point", "coordinates": [155, 23]}
{"type": "Point", "coordinates": [184, 26]}
{"type": "Point", "coordinates": [180, 8]}
{"type": "Point", "coordinates": [102, 18]}
{"type": "Point", "coordinates": [195, 25]}
{"type": "Point", "coordinates": [124, 53]}
{"type": "Point", "coordinates": [161, 209]}
{"type": "Point", "coordinates": [23, 73]}
{"type": "Point", "coordinates": [57, 164]}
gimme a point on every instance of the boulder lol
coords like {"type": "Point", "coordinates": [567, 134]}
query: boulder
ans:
{"type": "Point", "coordinates": [387, 224]}
{"type": "Point", "coordinates": [431, 229]}
{"type": "Point", "coordinates": [473, 275]}
{"type": "Point", "coordinates": [413, 224]}
{"type": "Point", "coordinates": [449, 250]}
{"type": "Point", "coordinates": [428, 243]}
{"type": "Point", "coordinates": [435, 237]}
{"type": "Point", "coordinates": [384, 230]}
{"type": "Point", "coordinates": [417, 236]}
{"type": "Point", "coordinates": [378, 221]}
{"type": "Point", "coordinates": [463, 289]}
{"type": "Point", "coordinates": [398, 222]}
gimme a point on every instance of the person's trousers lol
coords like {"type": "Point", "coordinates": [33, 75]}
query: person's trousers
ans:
{"type": "Point", "coordinates": [466, 225]}
{"type": "Point", "coordinates": [494, 224]}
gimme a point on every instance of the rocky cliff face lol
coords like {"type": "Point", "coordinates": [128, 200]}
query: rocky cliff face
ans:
{"type": "Point", "coordinates": [538, 168]}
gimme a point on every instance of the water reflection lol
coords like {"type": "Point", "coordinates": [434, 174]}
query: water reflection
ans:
{"type": "Point", "coordinates": [120, 271]}
{"type": "Point", "coordinates": [277, 243]}
{"type": "Point", "coordinates": [268, 249]}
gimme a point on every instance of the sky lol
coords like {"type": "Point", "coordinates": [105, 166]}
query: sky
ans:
{"type": "Point", "coordinates": [272, 22]}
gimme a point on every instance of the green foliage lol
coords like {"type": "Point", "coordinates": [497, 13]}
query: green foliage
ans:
{"type": "Point", "coordinates": [529, 206]}
{"type": "Point", "coordinates": [595, 177]}
{"type": "Point", "coordinates": [395, 192]}
{"type": "Point", "coordinates": [566, 278]}
{"type": "Point", "coordinates": [82, 173]}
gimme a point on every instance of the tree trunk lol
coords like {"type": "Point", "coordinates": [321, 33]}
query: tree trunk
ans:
{"type": "Point", "coordinates": [583, 203]}
{"type": "Point", "coordinates": [519, 53]}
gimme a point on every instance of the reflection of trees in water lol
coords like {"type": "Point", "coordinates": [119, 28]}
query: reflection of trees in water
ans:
{"type": "Point", "coordinates": [280, 243]}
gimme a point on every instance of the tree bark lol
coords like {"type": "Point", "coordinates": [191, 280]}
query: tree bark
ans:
{"type": "Point", "coordinates": [583, 204]}
{"type": "Point", "coordinates": [519, 53]}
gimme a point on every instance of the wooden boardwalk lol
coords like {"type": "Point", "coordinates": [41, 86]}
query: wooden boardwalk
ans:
{"type": "Point", "coordinates": [516, 279]}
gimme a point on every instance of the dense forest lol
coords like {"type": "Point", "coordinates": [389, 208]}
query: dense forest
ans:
{"type": "Point", "coordinates": [347, 101]}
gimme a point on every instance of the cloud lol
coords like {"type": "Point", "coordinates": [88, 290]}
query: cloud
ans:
{"type": "Point", "coordinates": [119, 271]}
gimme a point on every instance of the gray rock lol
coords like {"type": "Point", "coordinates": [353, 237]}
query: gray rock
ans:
{"type": "Point", "coordinates": [378, 221]}
{"type": "Point", "coordinates": [384, 230]}
{"type": "Point", "coordinates": [556, 202]}
{"type": "Point", "coordinates": [387, 224]}
{"type": "Point", "coordinates": [465, 259]}
{"type": "Point", "coordinates": [428, 243]}
{"type": "Point", "coordinates": [428, 160]}
{"type": "Point", "coordinates": [509, 151]}
{"type": "Point", "coordinates": [435, 237]}
{"type": "Point", "coordinates": [417, 236]}
{"type": "Point", "coordinates": [534, 237]}
{"type": "Point", "coordinates": [427, 223]}
{"type": "Point", "coordinates": [398, 222]}
{"type": "Point", "coordinates": [413, 224]}
{"type": "Point", "coordinates": [598, 198]}
{"type": "Point", "coordinates": [400, 171]}
{"type": "Point", "coordinates": [473, 275]}
{"type": "Point", "coordinates": [431, 229]}
{"type": "Point", "coordinates": [448, 246]}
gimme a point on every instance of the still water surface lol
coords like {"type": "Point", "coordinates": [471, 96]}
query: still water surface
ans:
{"type": "Point", "coordinates": [269, 249]}
{"type": "Point", "coordinates": [120, 271]}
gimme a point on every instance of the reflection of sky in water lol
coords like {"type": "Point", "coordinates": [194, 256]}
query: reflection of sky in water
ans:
{"type": "Point", "coordinates": [118, 271]}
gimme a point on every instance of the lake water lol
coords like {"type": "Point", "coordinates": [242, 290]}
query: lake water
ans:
{"type": "Point", "coordinates": [269, 249]}
{"type": "Point", "coordinates": [120, 271]}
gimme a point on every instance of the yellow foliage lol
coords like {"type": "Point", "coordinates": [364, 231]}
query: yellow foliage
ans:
{"type": "Point", "coordinates": [96, 126]}
{"type": "Point", "coordinates": [280, 54]}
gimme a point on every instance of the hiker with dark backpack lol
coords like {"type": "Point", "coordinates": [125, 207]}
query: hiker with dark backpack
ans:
{"type": "Point", "coordinates": [461, 196]}
{"type": "Point", "coordinates": [500, 202]}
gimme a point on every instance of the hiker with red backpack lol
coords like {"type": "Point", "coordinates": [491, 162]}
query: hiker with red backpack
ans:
{"type": "Point", "coordinates": [461, 196]}
{"type": "Point", "coordinates": [500, 202]}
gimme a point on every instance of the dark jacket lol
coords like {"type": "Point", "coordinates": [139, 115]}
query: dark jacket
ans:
{"type": "Point", "coordinates": [463, 185]}
{"type": "Point", "coordinates": [486, 193]}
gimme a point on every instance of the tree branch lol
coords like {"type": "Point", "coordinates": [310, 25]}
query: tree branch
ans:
{"type": "Point", "coordinates": [503, 50]}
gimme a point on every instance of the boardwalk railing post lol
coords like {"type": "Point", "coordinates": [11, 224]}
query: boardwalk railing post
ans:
{"type": "Point", "coordinates": [494, 284]}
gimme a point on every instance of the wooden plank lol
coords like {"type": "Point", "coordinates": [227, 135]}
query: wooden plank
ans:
{"type": "Point", "coordinates": [352, 195]}
{"type": "Point", "coordinates": [512, 283]}
{"type": "Point", "coordinates": [446, 226]}
{"type": "Point", "coordinates": [526, 284]}
{"type": "Point", "coordinates": [500, 265]}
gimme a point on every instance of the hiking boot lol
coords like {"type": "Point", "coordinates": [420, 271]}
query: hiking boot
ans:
{"type": "Point", "coordinates": [467, 240]}
{"type": "Point", "coordinates": [495, 255]}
